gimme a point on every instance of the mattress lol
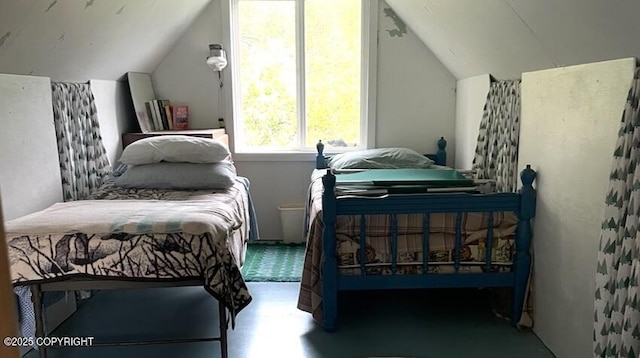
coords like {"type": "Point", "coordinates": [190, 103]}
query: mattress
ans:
{"type": "Point", "coordinates": [139, 235]}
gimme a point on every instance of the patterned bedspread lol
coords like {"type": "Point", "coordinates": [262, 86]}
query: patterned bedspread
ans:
{"type": "Point", "coordinates": [410, 227]}
{"type": "Point", "coordinates": [139, 234]}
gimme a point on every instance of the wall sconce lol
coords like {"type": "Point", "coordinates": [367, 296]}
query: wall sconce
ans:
{"type": "Point", "coordinates": [217, 59]}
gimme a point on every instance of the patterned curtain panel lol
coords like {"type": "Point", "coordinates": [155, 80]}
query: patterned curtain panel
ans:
{"type": "Point", "coordinates": [616, 327]}
{"type": "Point", "coordinates": [83, 158]}
{"type": "Point", "coordinates": [496, 154]}
{"type": "Point", "coordinates": [496, 157]}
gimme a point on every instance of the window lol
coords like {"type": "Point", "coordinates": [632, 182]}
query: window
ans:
{"type": "Point", "coordinates": [301, 74]}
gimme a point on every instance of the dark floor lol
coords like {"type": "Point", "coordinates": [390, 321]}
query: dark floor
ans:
{"type": "Point", "coordinates": [434, 323]}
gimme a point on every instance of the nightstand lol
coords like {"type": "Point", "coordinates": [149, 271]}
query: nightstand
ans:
{"type": "Point", "coordinates": [218, 134]}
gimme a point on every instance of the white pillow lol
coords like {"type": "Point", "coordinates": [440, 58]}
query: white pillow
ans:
{"type": "Point", "coordinates": [380, 158]}
{"type": "Point", "coordinates": [174, 148]}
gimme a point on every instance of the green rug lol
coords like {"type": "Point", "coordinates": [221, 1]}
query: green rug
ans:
{"type": "Point", "coordinates": [273, 263]}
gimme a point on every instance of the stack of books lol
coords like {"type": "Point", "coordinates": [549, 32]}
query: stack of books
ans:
{"type": "Point", "coordinates": [161, 116]}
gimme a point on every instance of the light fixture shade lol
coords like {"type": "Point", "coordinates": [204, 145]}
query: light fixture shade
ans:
{"type": "Point", "coordinates": [217, 59]}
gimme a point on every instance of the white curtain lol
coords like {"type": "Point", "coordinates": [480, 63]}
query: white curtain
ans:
{"type": "Point", "coordinates": [83, 158]}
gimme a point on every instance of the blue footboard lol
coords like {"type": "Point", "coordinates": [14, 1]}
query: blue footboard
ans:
{"type": "Point", "coordinates": [522, 203]}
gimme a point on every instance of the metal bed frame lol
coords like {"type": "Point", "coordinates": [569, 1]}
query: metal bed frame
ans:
{"type": "Point", "coordinates": [38, 289]}
{"type": "Point", "coordinates": [76, 284]}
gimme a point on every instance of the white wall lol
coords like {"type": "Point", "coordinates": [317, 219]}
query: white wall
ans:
{"type": "Point", "coordinates": [570, 120]}
{"type": "Point", "coordinates": [183, 76]}
{"type": "Point", "coordinates": [415, 106]}
{"type": "Point", "coordinates": [30, 179]}
{"type": "Point", "coordinates": [113, 104]}
{"type": "Point", "coordinates": [79, 40]}
{"type": "Point", "coordinates": [471, 96]}
{"type": "Point", "coordinates": [416, 93]}
{"type": "Point", "coordinates": [272, 184]}
{"type": "Point", "coordinates": [506, 38]}
{"type": "Point", "coordinates": [29, 167]}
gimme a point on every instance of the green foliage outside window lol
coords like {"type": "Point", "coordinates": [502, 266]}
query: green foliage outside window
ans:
{"type": "Point", "coordinates": [269, 105]}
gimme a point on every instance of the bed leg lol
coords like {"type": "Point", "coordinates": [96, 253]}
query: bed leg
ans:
{"type": "Point", "coordinates": [329, 262]}
{"type": "Point", "coordinates": [523, 265]}
{"type": "Point", "coordinates": [329, 311]}
{"type": "Point", "coordinates": [223, 330]}
{"type": "Point", "coordinates": [36, 297]}
{"type": "Point", "coordinates": [523, 243]}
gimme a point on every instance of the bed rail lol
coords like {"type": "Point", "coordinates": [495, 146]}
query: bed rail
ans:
{"type": "Point", "coordinates": [521, 203]}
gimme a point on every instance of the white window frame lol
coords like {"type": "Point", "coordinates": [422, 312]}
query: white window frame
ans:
{"type": "Point", "coordinates": [368, 76]}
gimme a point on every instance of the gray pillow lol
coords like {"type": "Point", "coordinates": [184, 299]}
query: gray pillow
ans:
{"type": "Point", "coordinates": [380, 158]}
{"type": "Point", "coordinates": [168, 175]}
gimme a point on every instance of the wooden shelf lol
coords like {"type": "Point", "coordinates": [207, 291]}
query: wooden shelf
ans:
{"type": "Point", "coordinates": [218, 134]}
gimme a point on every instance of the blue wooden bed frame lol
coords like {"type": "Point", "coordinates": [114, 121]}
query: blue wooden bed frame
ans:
{"type": "Point", "coordinates": [522, 203]}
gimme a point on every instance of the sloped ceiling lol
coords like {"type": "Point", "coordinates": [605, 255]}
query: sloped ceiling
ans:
{"type": "Point", "coordinates": [79, 40]}
{"type": "Point", "coordinates": [508, 37]}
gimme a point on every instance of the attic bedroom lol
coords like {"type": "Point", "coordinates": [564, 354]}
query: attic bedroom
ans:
{"type": "Point", "coordinates": [483, 88]}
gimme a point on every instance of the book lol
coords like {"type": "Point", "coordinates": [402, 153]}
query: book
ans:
{"type": "Point", "coordinates": [180, 117]}
{"type": "Point", "coordinates": [154, 115]}
{"type": "Point", "coordinates": [149, 117]}
{"type": "Point", "coordinates": [169, 114]}
{"type": "Point", "coordinates": [393, 177]}
{"type": "Point", "coordinates": [163, 113]}
{"type": "Point", "coordinates": [156, 109]}
{"type": "Point", "coordinates": [360, 190]}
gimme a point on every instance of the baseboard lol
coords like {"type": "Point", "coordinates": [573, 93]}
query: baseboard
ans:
{"type": "Point", "coordinates": [268, 241]}
{"type": "Point", "coordinates": [276, 242]}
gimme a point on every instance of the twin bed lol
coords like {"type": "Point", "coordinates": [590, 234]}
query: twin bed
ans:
{"type": "Point", "coordinates": [474, 237]}
{"type": "Point", "coordinates": [135, 238]}
{"type": "Point", "coordinates": [132, 237]}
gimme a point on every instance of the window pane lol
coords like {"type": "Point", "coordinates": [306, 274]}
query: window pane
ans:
{"type": "Point", "coordinates": [268, 114]}
{"type": "Point", "coordinates": [333, 63]}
